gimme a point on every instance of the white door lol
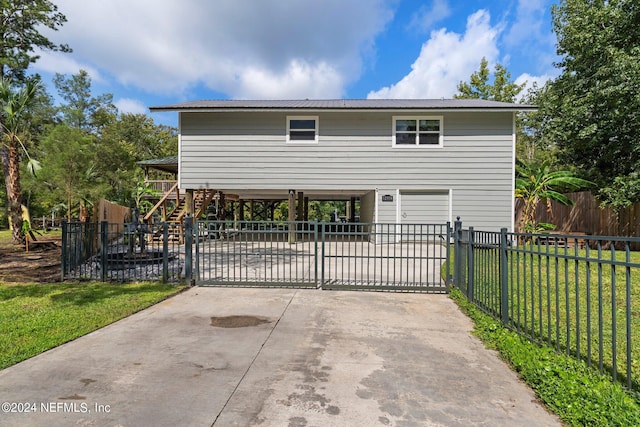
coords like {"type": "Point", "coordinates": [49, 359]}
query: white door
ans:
{"type": "Point", "coordinates": [424, 207]}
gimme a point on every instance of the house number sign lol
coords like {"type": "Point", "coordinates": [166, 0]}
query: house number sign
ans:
{"type": "Point", "coordinates": [387, 198]}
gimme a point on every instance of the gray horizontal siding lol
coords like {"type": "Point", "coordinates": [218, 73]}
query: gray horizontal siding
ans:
{"type": "Point", "coordinates": [249, 151]}
{"type": "Point", "coordinates": [483, 209]}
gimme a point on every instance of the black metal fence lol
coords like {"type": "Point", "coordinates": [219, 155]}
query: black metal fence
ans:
{"type": "Point", "coordinates": [255, 253]}
{"type": "Point", "coordinates": [121, 252]}
{"type": "Point", "coordinates": [322, 255]}
{"type": "Point", "coordinates": [572, 293]}
{"type": "Point", "coordinates": [405, 257]}
{"type": "Point", "coordinates": [398, 257]}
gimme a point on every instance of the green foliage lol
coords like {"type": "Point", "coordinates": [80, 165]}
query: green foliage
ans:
{"type": "Point", "coordinates": [318, 210]}
{"type": "Point", "coordinates": [501, 89]}
{"type": "Point", "coordinates": [81, 110]}
{"type": "Point", "coordinates": [621, 193]}
{"type": "Point", "coordinates": [15, 102]}
{"type": "Point", "coordinates": [140, 192]}
{"type": "Point", "coordinates": [537, 183]}
{"type": "Point", "coordinates": [123, 142]}
{"type": "Point", "coordinates": [576, 393]}
{"type": "Point", "coordinates": [20, 25]}
{"type": "Point", "coordinates": [570, 293]}
{"type": "Point", "coordinates": [531, 144]}
{"type": "Point", "coordinates": [93, 153]}
{"type": "Point", "coordinates": [538, 227]}
{"type": "Point", "coordinates": [69, 174]}
{"type": "Point", "coordinates": [591, 110]}
{"type": "Point", "coordinates": [37, 317]}
{"type": "Point", "coordinates": [321, 210]}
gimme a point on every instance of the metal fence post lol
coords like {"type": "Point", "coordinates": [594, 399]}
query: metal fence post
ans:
{"type": "Point", "coordinates": [470, 266]}
{"type": "Point", "coordinates": [314, 224]}
{"type": "Point", "coordinates": [447, 273]}
{"type": "Point", "coordinates": [504, 277]}
{"type": "Point", "coordinates": [322, 243]}
{"type": "Point", "coordinates": [165, 252]}
{"type": "Point", "coordinates": [104, 247]}
{"type": "Point", "coordinates": [65, 249]}
{"type": "Point", "coordinates": [457, 254]}
{"type": "Point", "coordinates": [188, 245]}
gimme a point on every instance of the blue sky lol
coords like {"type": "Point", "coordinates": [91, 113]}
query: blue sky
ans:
{"type": "Point", "coordinates": [149, 52]}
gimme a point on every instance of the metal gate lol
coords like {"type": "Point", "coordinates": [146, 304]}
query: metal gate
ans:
{"type": "Point", "coordinates": [398, 257]}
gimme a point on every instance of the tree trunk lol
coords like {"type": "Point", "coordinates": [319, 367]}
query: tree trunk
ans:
{"type": "Point", "coordinates": [11, 170]}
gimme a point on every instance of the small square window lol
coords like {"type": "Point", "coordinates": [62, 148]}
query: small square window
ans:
{"type": "Point", "coordinates": [302, 129]}
{"type": "Point", "coordinates": [417, 131]}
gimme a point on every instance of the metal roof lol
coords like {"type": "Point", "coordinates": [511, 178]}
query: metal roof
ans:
{"type": "Point", "coordinates": [167, 164]}
{"type": "Point", "coordinates": [345, 104]}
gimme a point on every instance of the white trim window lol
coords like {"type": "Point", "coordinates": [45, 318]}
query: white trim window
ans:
{"type": "Point", "coordinates": [417, 131]}
{"type": "Point", "coordinates": [302, 129]}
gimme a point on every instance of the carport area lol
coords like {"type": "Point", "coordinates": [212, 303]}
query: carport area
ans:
{"type": "Point", "coordinates": [276, 357]}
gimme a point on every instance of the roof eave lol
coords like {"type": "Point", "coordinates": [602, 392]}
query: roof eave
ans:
{"type": "Point", "coordinates": [179, 109]}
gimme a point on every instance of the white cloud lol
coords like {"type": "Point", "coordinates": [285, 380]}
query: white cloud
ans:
{"type": "Point", "coordinates": [299, 80]}
{"type": "Point", "coordinates": [52, 62]}
{"type": "Point", "coordinates": [427, 16]}
{"type": "Point", "coordinates": [527, 28]}
{"type": "Point", "coordinates": [530, 81]}
{"type": "Point", "coordinates": [243, 48]}
{"type": "Point", "coordinates": [133, 106]}
{"type": "Point", "coordinates": [446, 59]}
{"type": "Point", "coordinates": [529, 37]}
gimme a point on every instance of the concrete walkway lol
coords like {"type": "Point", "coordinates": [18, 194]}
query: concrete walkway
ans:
{"type": "Point", "coordinates": [274, 357]}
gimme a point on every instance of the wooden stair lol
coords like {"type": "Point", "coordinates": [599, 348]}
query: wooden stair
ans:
{"type": "Point", "coordinates": [201, 200]}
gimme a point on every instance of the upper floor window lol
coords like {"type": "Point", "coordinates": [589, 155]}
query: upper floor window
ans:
{"type": "Point", "coordinates": [417, 131]}
{"type": "Point", "coordinates": [302, 128]}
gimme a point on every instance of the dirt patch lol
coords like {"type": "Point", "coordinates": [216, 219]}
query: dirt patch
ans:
{"type": "Point", "coordinates": [237, 321]}
{"type": "Point", "coordinates": [40, 265]}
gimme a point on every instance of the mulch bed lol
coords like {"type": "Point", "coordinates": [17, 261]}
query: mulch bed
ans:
{"type": "Point", "coordinates": [40, 265]}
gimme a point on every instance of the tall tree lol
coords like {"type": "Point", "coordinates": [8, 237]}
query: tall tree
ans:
{"type": "Point", "coordinates": [70, 174]}
{"type": "Point", "coordinates": [592, 110]}
{"type": "Point", "coordinates": [21, 22]}
{"type": "Point", "coordinates": [20, 25]}
{"type": "Point", "coordinates": [15, 103]}
{"type": "Point", "coordinates": [532, 147]}
{"type": "Point", "coordinates": [500, 89]}
{"type": "Point", "coordinates": [82, 110]}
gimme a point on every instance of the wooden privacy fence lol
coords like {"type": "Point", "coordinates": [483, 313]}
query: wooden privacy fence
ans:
{"type": "Point", "coordinates": [585, 216]}
{"type": "Point", "coordinates": [111, 212]}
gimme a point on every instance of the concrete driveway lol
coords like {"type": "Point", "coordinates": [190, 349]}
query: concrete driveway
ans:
{"type": "Point", "coordinates": [274, 357]}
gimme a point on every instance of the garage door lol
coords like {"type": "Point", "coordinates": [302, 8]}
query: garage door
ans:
{"type": "Point", "coordinates": [424, 207]}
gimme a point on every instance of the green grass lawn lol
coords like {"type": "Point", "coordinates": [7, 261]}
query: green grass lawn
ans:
{"type": "Point", "coordinates": [5, 235]}
{"type": "Point", "coordinates": [555, 298]}
{"type": "Point", "coordinates": [582, 307]}
{"type": "Point", "coordinates": [38, 317]}
{"type": "Point", "coordinates": [576, 393]}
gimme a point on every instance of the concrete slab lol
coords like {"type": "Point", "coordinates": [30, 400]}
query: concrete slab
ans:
{"type": "Point", "coordinates": [274, 357]}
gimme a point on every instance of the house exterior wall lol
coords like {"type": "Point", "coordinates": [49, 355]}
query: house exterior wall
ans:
{"type": "Point", "coordinates": [386, 210]}
{"type": "Point", "coordinates": [248, 150]}
{"type": "Point", "coordinates": [367, 206]}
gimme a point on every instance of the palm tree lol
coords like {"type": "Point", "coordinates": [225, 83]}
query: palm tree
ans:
{"type": "Point", "coordinates": [14, 105]}
{"type": "Point", "coordinates": [536, 182]}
